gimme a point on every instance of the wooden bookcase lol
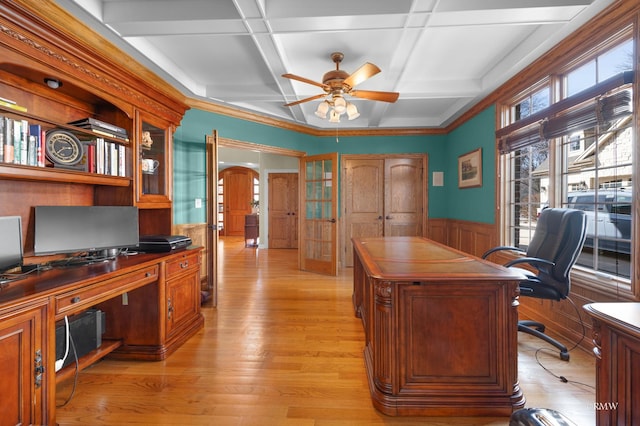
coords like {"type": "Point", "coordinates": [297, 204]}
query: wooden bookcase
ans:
{"type": "Point", "coordinates": [96, 83]}
{"type": "Point", "coordinates": [38, 41]}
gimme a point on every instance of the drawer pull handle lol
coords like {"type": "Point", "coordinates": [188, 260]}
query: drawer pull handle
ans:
{"type": "Point", "coordinates": [184, 264]}
{"type": "Point", "coordinates": [75, 299]}
{"type": "Point", "coordinates": [148, 274]}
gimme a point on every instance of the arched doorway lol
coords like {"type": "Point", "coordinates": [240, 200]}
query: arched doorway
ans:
{"type": "Point", "coordinates": [237, 188]}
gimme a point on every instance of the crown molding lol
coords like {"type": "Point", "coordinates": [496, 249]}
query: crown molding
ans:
{"type": "Point", "coordinates": [251, 146]}
{"type": "Point", "coordinates": [309, 130]}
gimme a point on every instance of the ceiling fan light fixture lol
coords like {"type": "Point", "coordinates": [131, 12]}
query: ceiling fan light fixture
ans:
{"type": "Point", "coordinates": [338, 83]}
{"type": "Point", "coordinates": [352, 111]}
{"type": "Point", "coordinates": [322, 110]}
{"type": "Point", "coordinates": [339, 104]}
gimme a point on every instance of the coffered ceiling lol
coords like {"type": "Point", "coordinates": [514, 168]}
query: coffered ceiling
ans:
{"type": "Point", "coordinates": [442, 56]}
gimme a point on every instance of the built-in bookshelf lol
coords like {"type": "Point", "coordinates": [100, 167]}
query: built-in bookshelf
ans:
{"type": "Point", "coordinates": [62, 82]}
{"type": "Point", "coordinates": [53, 81]}
{"type": "Point", "coordinates": [23, 138]}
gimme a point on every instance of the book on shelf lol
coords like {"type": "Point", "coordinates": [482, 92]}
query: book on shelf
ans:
{"type": "Point", "coordinates": [2, 139]}
{"type": "Point", "coordinates": [108, 134]}
{"type": "Point", "coordinates": [38, 133]}
{"type": "Point", "coordinates": [8, 103]}
{"type": "Point", "coordinates": [24, 142]}
{"type": "Point", "coordinates": [17, 141]}
{"type": "Point", "coordinates": [8, 140]}
{"type": "Point", "coordinates": [20, 142]}
{"type": "Point", "coordinates": [122, 163]}
{"type": "Point", "coordinates": [102, 127]}
{"type": "Point", "coordinates": [105, 157]}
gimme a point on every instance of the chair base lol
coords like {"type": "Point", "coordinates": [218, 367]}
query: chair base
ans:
{"type": "Point", "coordinates": [537, 329]}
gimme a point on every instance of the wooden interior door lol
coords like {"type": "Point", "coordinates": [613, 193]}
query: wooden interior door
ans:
{"type": "Point", "coordinates": [238, 193]}
{"type": "Point", "coordinates": [383, 196]}
{"type": "Point", "coordinates": [363, 201]}
{"type": "Point", "coordinates": [283, 210]}
{"type": "Point", "coordinates": [319, 230]}
{"type": "Point", "coordinates": [212, 216]}
{"type": "Point", "coordinates": [403, 197]}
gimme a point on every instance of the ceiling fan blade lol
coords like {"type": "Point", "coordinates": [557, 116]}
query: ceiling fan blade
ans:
{"type": "Point", "coordinates": [305, 80]}
{"type": "Point", "coordinates": [363, 73]}
{"type": "Point", "coordinates": [306, 100]}
{"type": "Point", "coordinates": [375, 96]}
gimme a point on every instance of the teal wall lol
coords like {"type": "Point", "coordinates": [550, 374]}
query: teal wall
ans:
{"type": "Point", "coordinates": [444, 202]}
{"type": "Point", "coordinates": [472, 204]}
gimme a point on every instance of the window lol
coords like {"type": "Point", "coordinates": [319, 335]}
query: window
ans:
{"type": "Point", "coordinates": [598, 180]}
{"type": "Point", "coordinates": [602, 67]}
{"type": "Point", "coordinates": [577, 152]}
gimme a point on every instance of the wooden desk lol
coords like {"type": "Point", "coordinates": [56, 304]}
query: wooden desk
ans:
{"type": "Point", "coordinates": [151, 304]}
{"type": "Point", "coordinates": [440, 329]}
{"type": "Point", "coordinates": [616, 336]}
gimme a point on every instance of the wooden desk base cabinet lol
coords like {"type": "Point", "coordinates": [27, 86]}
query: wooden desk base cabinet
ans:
{"type": "Point", "coordinates": [440, 329]}
{"type": "Point", "coordinates": [616, 336]}
{"type": "Point", "coordinates": [151, 304]}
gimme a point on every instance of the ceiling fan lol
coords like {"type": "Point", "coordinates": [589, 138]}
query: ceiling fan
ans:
{"type": "Point", "coordinates": [338, 83]}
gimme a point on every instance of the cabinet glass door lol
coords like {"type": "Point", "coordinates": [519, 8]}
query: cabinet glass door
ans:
{"type": "Point", "coordinates": [153, 167]}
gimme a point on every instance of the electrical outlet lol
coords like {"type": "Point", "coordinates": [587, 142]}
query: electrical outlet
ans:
{"type": "Point", "coordinates": [198, 203]}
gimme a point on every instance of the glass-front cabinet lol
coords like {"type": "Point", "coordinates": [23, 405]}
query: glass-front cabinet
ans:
{"type": "Point", "coordinates": [154, 163]}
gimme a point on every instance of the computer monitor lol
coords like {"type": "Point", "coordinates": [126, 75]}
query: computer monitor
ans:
{"type": "Point", "coordinates": [77, 229]}
{"type": "Point", "coordinates": [10, 243]}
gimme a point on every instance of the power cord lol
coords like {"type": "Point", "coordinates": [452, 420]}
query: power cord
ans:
{"type": "Point", "coordinates": [60, 362]}
{"type": "Point", "coordinates": [563, 379]}
{"type": "Point", "coordinates": [8, 278]}
{"type": "Point", "coordinates": [75, 377]}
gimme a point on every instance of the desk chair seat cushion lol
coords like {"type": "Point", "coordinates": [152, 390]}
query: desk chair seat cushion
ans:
{"type": "Point", "coordinates": [533, 287]}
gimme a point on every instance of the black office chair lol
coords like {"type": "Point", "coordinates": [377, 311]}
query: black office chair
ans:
{"type": "Point", "coordinates": [554, 249]}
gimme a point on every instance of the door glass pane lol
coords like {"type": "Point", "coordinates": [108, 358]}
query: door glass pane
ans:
{"type": "Point", "coordinates": [319, 209]}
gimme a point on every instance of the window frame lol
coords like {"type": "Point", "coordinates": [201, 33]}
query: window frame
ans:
{"type": "Point", "coordinates": [593, 279]}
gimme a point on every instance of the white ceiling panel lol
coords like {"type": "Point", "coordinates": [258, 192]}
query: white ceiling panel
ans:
{"type": "Point", "coordinates": [442, 56]}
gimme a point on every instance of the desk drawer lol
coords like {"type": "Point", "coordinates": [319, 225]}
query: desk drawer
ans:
{"type": "Point", "coordinates": [85, 297]}
{"type": "Point", "coordinates": [185, 261]}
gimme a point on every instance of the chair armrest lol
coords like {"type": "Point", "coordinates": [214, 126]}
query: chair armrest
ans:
{"type": "Point", "coordinates": [533, 261]}
{"type": "Point", "coordinates": [499, 248]}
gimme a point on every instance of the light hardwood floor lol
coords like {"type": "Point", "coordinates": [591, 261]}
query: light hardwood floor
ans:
{"type": "Point", "coordinates": [284, 348]}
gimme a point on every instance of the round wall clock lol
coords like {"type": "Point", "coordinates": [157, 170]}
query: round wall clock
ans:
{"type": "Point", "coordinates": [63, 148]}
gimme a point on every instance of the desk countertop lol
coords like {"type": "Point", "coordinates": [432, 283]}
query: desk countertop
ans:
{"type": "Point", "coordinates": [622, 315]}
{"type": "Point", "coordinates": [421, 259]}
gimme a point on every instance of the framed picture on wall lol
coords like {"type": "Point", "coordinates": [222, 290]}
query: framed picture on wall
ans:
{"type": "Point", "coordinates": [470, 169]}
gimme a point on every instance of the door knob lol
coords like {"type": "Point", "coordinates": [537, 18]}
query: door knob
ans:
{"type": "Point", "coordinates": [388, 217]}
